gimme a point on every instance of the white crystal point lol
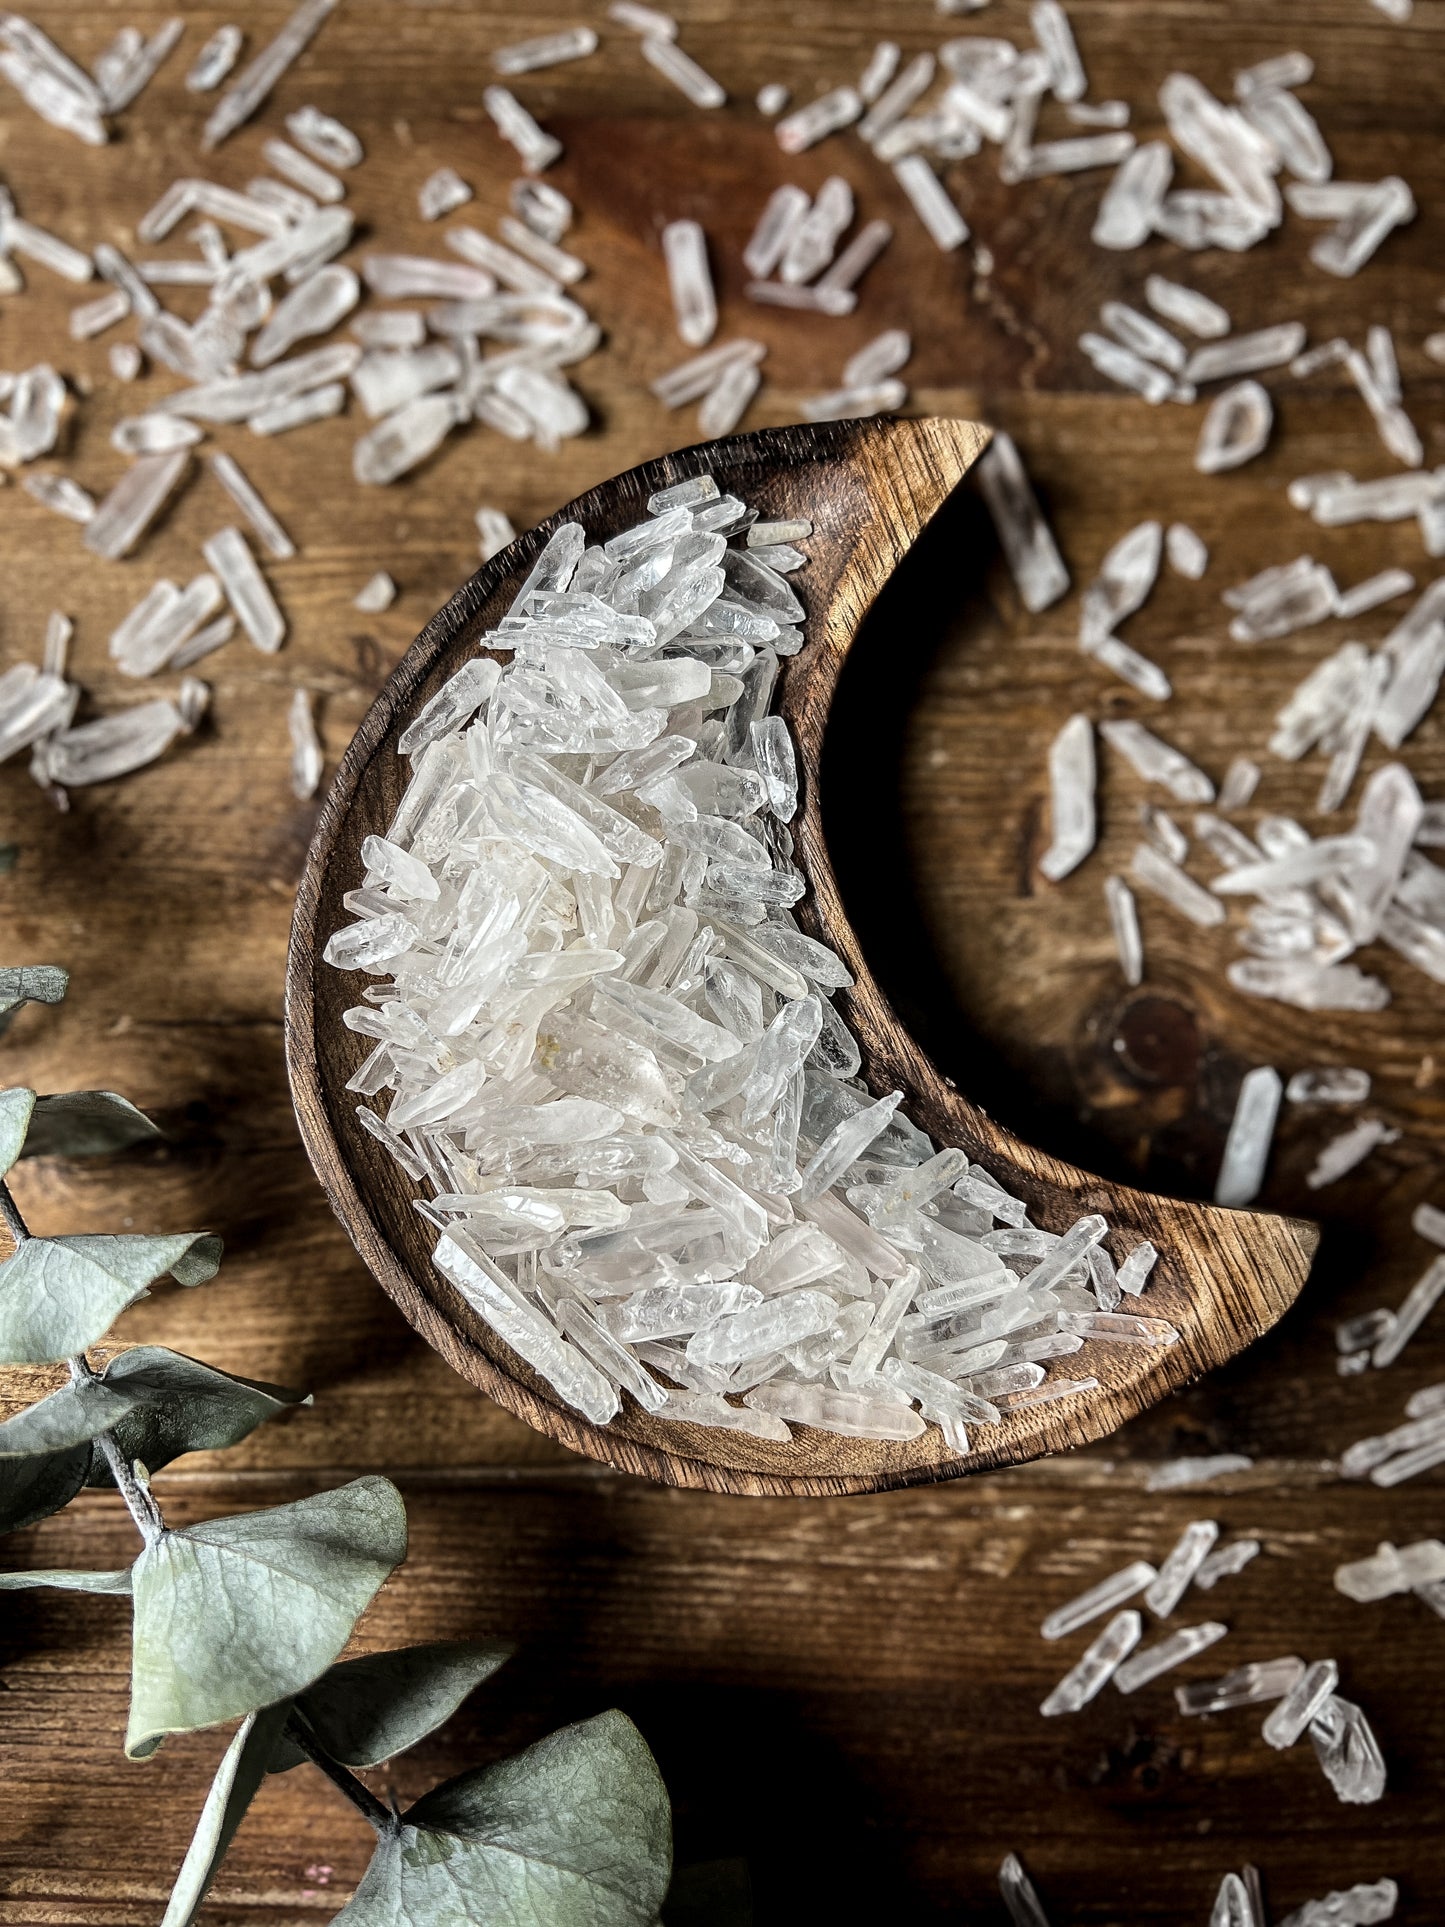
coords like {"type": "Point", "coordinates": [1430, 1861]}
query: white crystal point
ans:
{"type": "Point", "coordinates": [1100, 1598]}
{"type": "Point", "coordinates": [246, 589]}
{"type": "Point", "coordinates": [1097, 1667]}
{"type": "Point", "coordinates": [1352, 1906]}
{"type": "Point", "coordinates": [1290, 1719]}
{"type": "Point", "coordinates": [313, 306]}
{"type": "Point", "coordinates": [1033, 556]}
{"type": "Point", "coordinates": [1025, 1909]}
{"type": "Point", "coordinates": [1165, 1654]}
{"type": "Point", "coordinates": [1348, 1752]}
{"type": "Point", "coordinates": [848, 1413]}
{"type": "Point", "coordinates": [1177, 1573]}
{"type": "Point", "coordinates": [1071, 783]}
{"type": "Point", "coordinates": [1251, 1133]}
{"type": "Point", "coordinates": [1236, 429]}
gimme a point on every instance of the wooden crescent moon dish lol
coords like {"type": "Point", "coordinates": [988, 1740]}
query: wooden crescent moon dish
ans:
{"type": "Point", "coordinates": [869, 488]}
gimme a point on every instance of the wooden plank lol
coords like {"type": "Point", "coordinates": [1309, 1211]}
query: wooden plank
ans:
{"type": "Point", "coordinates": [860, 1676]}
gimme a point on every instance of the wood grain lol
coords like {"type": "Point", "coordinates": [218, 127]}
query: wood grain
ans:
{"type": "Point", "coordinates": [843, 1692]}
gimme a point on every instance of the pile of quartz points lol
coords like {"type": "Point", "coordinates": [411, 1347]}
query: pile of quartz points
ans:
{"type": "Point", "coordinates": [612, 1059]}
{"type": "Point", "coordinates": [1304, 1697]}
{"type": "Point", "coordinates": [1239, 1902]}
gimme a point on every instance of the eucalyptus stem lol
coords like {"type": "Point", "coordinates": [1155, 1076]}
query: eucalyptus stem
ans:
{"type": "Point", "coordinates": [139, 1502]}
{"type": "Point", "coordinates": [361, 1797]}
{"type": "Point", "coordinates": [9, 1211]}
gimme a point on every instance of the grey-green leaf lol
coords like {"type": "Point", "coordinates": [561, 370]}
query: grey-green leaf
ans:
{"type": "Point", "coordinates": [59, 1295]}
{"type": "Point", "coordinates": [72, 1416]}
{"type": "Point", "coordinates": [30, 984]}
{"type": "Point", "coordinates": [237, 1777]}
{"type": "Point", "coordinates": [33, 1488]}
{"type": "Point", "coordinates": [68, 1581]}
{"type": "Point", "coordinates": [575, 1832]}
{"type": "Point", "coordinates": [86, 1124]}
{"type": "Point", "coordinates": [238, 1613]}
{"type": "Point", "coordinates": [365, 1710]}
{"type": "Point", "coordinates": [16, 1107]}
{"type": "Point", "coordinates": [178, 1404]}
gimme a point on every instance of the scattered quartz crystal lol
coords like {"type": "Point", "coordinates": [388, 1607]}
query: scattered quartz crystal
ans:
{"type": "Point", "coordinates": [1236, 428]}
{"type": "Point", "coordinates": [536, 148]}
{"type": "Point", "coordinates": [246, 589]}
{"type": "Point", "coordinates": [1251, 1685]}
{"type": "Point", "coordinates": [306, 755]}
{"type": "Point", "coordinates": [1348, 1752]}
{"type": "Point", "coordinates": [1187, 553]}
{"type": "Point", "coordinates": [1099, 1664]}
{"type": "Point", "coordinates": [375, 595]}
{"type": "Point", "coordinates": [1166, 1654]}
{"type": "Point", "coordinates": [1175, 1474]}
{"type": "Point", "coordinates": [215, 60]}
{"type": "Point", "coordinates": [1251, 1134]}
{"type": "Point", "coordinates": [1027, 541]}
{"type": "Point", "coordinates": [1071, 781]}
{"type": "Point", "coordinates": [1363, 1905]}
{"type": "Point", "coordinates": [134, 503]}
{"type": "Point", "coordinates": [670, 1103]}
{"type": "Point", "coordinates": [684, 247]}
{"type": "Point", "coordinates": [1101, 1598]}
{"type": "Point", "coordinates": [1025, 1909]}
{"type": "Point", "coordinates": [1343, 1153]}
{"type": "Point", "coordinates": [1177, 1573]}
{"type": "Point", "coordinates": [494, 532]}
{"type": "Point", "coordinates": [242, 99]}
{"type": "Point", "coordinates": [1124, 922]}
{"type": "Point", "coordinates": [663, 53]}
{"type": "Point", "coordinates": [1290, 1719]}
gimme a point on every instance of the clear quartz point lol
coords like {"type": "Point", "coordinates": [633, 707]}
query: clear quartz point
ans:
{"type": "Point", "coordinates": [1025, 1909]}
{"type": "Point", "coordinates": [1099, 1664]}
{"type": "Point", "coordinates": [1348, 1752]}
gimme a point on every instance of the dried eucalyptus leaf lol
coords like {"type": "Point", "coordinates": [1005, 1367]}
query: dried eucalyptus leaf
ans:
{"type": "Point", "coordinates": [177, 1404]}
{"type": "Point", "coordinates": [30, 984]}
{"type": "Point", "coordinates": [68, 1581]}
{"type": "Point", "coordinates": [59, 1295]}
{"type": "Point", "coordinates": [365, 1710]}
{"type": "Point", "coordinates": [238, 1613]}
{"type": "Point", "coordinates": [234, 1788]}
{"type": "Point", "coordinates": [16, 1107]}
{"type": "Point", "coordinates": [86, 1124]}
{"type": "Point", "coordinates": [575, 1832]}
{"type": "Point", "coordinates": [72, 1416]}
{"type": "Point", "coordinates": [33, 1488]}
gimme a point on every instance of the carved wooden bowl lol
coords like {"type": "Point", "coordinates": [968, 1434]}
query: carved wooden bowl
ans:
{"type": "Point", "coordinates": [869, 488]}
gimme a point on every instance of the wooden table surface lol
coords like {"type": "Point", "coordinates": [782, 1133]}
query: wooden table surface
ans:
{"type": "Point", "coordinates": [844, 1693]}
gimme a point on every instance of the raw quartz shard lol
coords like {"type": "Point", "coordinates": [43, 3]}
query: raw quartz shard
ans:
{"type": "Point", "coordinates": [1309, 986]}
{"type": "Point", "coordinates": [1364, 213]}
{"type": "Point", "coordinates": [307, 759]}
{"type": "Point", "coordinates": [1177, 1573]}
{"type": "Point", "coordinates": [1348, 1752]}
{"type": "Point", "coordinates": [94, 317]}
{"type": "Point", "coordinates": [1226, 1562]}
{"type": "Point", "coordinates": [111, 746]}
{"type": "Point", "coordinates": [1175, 1474]}
{"type": "Point", "coordinates": [1138, 332]}
{"type": "Point", "coordinates": [246, 589]}
{"type": "Point", "coordinates": [1236, 428]}
{"type": "Point", "coordinates": [1362, 1905]}
{"type": "Point", "coordinates": [1067, 80]}
{"type": "Point", "coordinates": [946, 226]}
{"type": "Point", "coordinates": [535, 148]}
{"type": "Point", "coordinates": [313, 307]}
{"type": "Point", "coordinates": [853, 404]}
{"type": "Point", "coordinates": [1099, 1664]}
{"type": "Point", "coordinates": [376, 594]}
{"type": "Point", "coordinates": [215, 60]}
{"type": "Point", "coordinates": [1232, 1905]}
{"type": "Point", "coordinates": [1166, 1654]}
{"type": "Point", "coordinates": [492, 1296]}
{"type": "Point", "coordinates": [1241, 780]}
{"type": "Point", "coordinates": [708, 1408]}
{"type": "Point", "coordinates": [1158, 762]}
{"type": "Point", "coordinates": [1020, 1897]}
{"type": "Point", "coordinates": [684, 248]}
{"type": "Point", "coordinates": [32, 704]}
{"type": "Point", "coordinates": [1099, 1599]}
{"type": "Point", "coordinates": [1130, 207]}
{"type": "Point", "coordinates": [1341, 1155]}
{"type": "Point", "coordinates": [845, 1144]}
{"type": "Point", "coordinates": [440, 193]}
{"type": "Point", "coordinates": [404, 439]}
{"type": "Point", "coordinates": [244, 494]}
{"type": "Point", "coordinates": [1291, 1719]}
{"type": "Point", "coordinates": [1224, 144]}
{"type": "Point", "coordinates": [1129, 370]}
{"type": "Point", "coordinates": [134, 503]}
{"type": "Point", "coordinates": [317, 404]}
{"type": "Point", "coordinates": [1124, 924]}
{"type": "Point", "coordinates": [894, 101]}
{"type": "Point", "coordinates": [1246, 354]}
{"type": "Point", "coordinates": [1246, 1686]}
{"type": "Point", "coordinates": [1369, 594]}
{"type": "Point", "coordinates": [662, 52]}
{"type": "Point", "coordinates": [814, 242]}
{"type": "Point", "coordinates": [1331, 1084]}
{"type": "Point", "coordinates": [1187, 308]}
{"type": "Point", "coordinates": [324, 138]}
{"type": "Point", "coordinates": [1251, 1134]}
{"type": "Point", "coordinates": [242, 99]}
{"type": "Point", "coordinates": [1292, 130]}
{"type": "Point", "coordinates": [851, 1414]}
{"type": "Point", "coordinates": [546, 50]}
{"type": "Point", "coordinates": [1027, 541]}
{"type": "Point", "coordinates": [1071, 156]}
{"type": "Point", "coordinates": [1419, 1302]}
{"type": "Point", "coordinates": [1126, 575]}
{"type": "Point", "coordinates": [1071, 785]}
{"type": "Point", "coordinates": [157, 628]}
{"type": "Point", "coordinates": [882, 356]}
{"type": "Point", "coordinates": [235, 398]}
{"type": "Point", "coordinates": [808, 125]}
{"type": "Point", "coordinates": [782, 217]}
{"type": "Point", "coordinates": [62, 494]}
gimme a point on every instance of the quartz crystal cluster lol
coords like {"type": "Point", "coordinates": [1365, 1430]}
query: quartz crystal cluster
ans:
{"type": "Point", "coordinates": [610, 1060]}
